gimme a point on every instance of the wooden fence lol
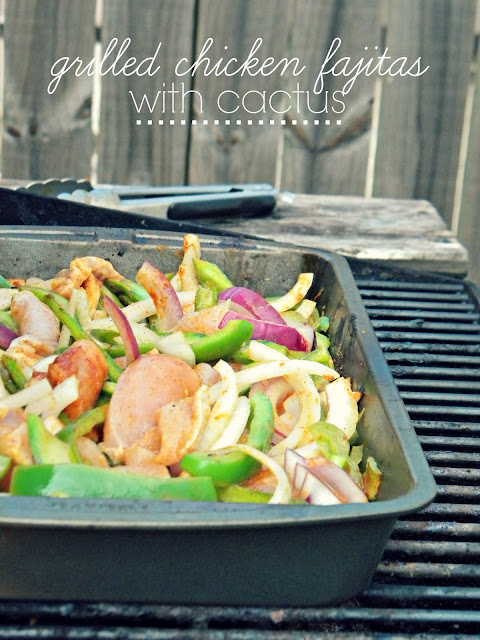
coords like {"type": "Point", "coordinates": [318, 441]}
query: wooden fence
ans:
{"type": "Point", "coordinates": [408, 137]}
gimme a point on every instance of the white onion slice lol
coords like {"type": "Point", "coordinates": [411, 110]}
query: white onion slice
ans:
{"type": "Point", "coordinates": [20, 399]}
{"type": "Point", "coordinates": [6, 296]}
{"type": "Point", "coordinates": [62, 395]}
{"type": "Point", "coordinates": [297, 293]}
{"type": "Point", "coordinates": [264, 371]}
{"type": "Point", "coordinates": [259, 352]}
{"type": "Point", "coordinates": [176, 345]}
{"type": "Point", "coordinates": [306, 309]}
{"type": "Point", "coordinates": [186, 270]}
{"type": "Point", "coordinates": [223, 407]}
{"type": "Point", "coordinates": [42, 365]}
{"type": "Point", "coordinates": [200, 415]}
{"type": "Point", "coordinates": [82, 309]}
{"type": "Point", "coordinates": [311, 411]}
{"type": "Point", "coordinates": [176, 282]}
{"type": "Point", "coordinates": [342, 406]}
{"type": "Point", "coordinates": [283, 491]}
{"type": "Point", "coordinates": [236, 425]}
{"type": "Point", "coordinates": [187, 298]}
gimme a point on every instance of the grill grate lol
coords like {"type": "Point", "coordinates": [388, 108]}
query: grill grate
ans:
{"type": "Point", "coordinates": [428, 583]}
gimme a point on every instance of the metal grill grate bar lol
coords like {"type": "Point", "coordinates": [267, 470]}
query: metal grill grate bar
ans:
{"type": "Point", "coordinates": [387, 305]}
{"type": "Point", "coordinates": [458, 476]}
{"type": "Point", "coordinates": [430, 358]}
{"type": "Point", "coordinates": [376, 312]}
{"type": "Point", "coordinates": [439, 385]}
{"type": "Point", "coordinates": [435, 349]}
{"type": "Point", "coordinates": [406, 285]}
{"type": "Point", "coordinates": [442, 398]}
{"type": "Point", "coordinates": [450, 443]}
{"type": "Point", "coordinates": [428, 549]}
{"type": "Point", "coordinates": [440, 296]}
{"type": "Point", "coordinates": [420, 336]}
{"type": "Point", "coordinates": [407, 324]}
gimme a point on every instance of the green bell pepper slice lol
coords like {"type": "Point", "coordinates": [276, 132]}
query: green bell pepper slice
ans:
{"type": "Point", "coordinates": [235, 466]}
{"type": "Point", "coordinates": [118, 350]}
{"type": "Point", "coordinates": [83, 424]}
{"type": "Point", "coordinates": [5, 464]}
{"type": "Point", "coordinates": [7, 320]}
{"type": "Point", "coordinates": [15, 371]}
{"type": "Point", "coordinates": [83, 481]}
{"type": "Point", "coordinates": [209, 274]}
{"type": "Point", "coordinates": [4, 283]}
{"type": "Point", "coordinates": [224, 342]}
{"type": "Point", "coordinates": [206, 297]}
{"type": "Point", "coordinates": [331, 440]}
{"type": "Point", "coordinates": [47, 448]}
{"type": "Point", "coordinates": [237, 493]}
{"type": "Point", "coordinates": [133, 290]}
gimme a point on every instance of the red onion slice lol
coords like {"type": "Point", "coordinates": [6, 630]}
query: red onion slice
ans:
{"type": "Point", "coordinates": [253, 303]}
{"type": "Point", "coordinates": [281, 334]}
{"type": "Point", "coordinates": [160, 289]}
{"type": "Point", "coordinates": [6, 336]}
{"type": "Point", "coordinates": [320, 481]}
{"type": "Point", "coordinates": [132, 351]}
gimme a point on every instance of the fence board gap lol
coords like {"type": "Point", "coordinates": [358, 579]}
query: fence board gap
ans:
{"type": "Point", "coordinates": [46, 135]}
{"type": "Point", "coordinates": [467, 221]}
{"type": "Point", "coordinates": [223, 152]}
{"type": "Point", "coordinates": [421, 118]}
{"type": "Point", "coordinates": [337, 161]}
{"type": "Point", "coordinates": [144, 154]}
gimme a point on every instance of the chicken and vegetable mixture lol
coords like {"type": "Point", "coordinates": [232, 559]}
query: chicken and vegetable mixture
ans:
{"type": "Point", "coordinates": [173, 386]}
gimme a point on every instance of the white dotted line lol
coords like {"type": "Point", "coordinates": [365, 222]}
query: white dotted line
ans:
{"type": "Point", "coordinates": [227, 123]}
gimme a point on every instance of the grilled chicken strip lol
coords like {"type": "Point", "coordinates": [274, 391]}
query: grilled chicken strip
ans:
{"type": "Point", "coordinates": [151, 382]}
{"type": "Point", "coordinates": [38, 327]}
{"type": "Point", "coordinates": [85, 361]}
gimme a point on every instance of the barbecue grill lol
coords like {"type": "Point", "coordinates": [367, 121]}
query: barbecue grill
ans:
{"type": "Point", "coordinates": [428, 583]}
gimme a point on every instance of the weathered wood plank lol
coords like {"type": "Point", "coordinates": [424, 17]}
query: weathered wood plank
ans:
{"type": "Point", "coordinates": [408, 233]}
{"type": "Point", "coordinates": [421, 118]}
{"type": "Point", "coordinates": [469, 214]}
{"type": "Point", "coordinates": [46, 135]}
{"type": "Point", "coordinates": [332, 158]}
{"type": "Point", "coordinates": [145, 154]}
{"type": "Point", "coordinates": [238, 153]}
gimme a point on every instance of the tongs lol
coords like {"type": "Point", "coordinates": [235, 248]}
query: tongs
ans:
{"type": "Point", "coordinates": [29, 206]}
{"type": "Point", "coordinates": [175, 203]}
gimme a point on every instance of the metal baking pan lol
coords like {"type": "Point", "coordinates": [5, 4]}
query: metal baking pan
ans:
{"type": "Point", "coordinates": [224, 554]}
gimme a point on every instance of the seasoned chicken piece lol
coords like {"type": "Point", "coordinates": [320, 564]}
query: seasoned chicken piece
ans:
{"type": "Point", "coordinates": [205, 321]}
{"type": "Point", "coordinates": [207, 373]}
{"type": "Point", "coordinates": [264, 481]}
{"type": "Point", "coordinates": [91, 453]}
{"type": "Point", "coordinates": [16, 282]}
{"type": "Point", "coordinates": [92, 286]}
{"type": "Point", "coordinates": [14, 440]}
{"type": "Point", "coordinates": [80, 270]}
{"type": "Point", "coordinates": [152, 381]}
{"type": "Point", "coordinates": [85, 361]}
{"type": "Point", "coordinates": [38, 327]}
{"type": "Point", "coordinates": [180, 425]}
